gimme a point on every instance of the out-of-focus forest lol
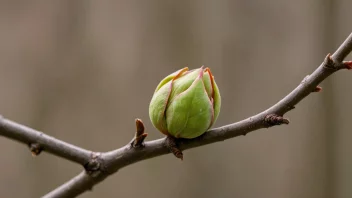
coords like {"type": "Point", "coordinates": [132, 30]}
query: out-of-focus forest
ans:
{"type": "Point", "coordinates": [82, 71]}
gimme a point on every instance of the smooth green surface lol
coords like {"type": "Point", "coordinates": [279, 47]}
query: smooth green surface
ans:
{"type": "Point", "coordinates": [190, 113]}
{"type": "Point", "coordinates": [185, 103]}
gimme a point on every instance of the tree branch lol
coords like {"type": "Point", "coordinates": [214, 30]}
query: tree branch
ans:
{"type": "Point", "coordinates": [38, 141]}
{"type": "Point", "coordinates": [101, 165]}
{"type": "Point", "coordinates": [114, 160]}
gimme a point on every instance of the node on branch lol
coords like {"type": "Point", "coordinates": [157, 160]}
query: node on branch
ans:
{"type": "Point", "coordinates": [35, 149]}
{"type": "Point", "coordinates": [273, 120]}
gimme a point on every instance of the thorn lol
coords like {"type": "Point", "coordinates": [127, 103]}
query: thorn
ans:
{"type": "Point", "coordinates": [171, 144]}
{"type": "Point", "coordinates": [317, 89]}
{"type": "Point", "coordinates": [273, 119]}
{"type": "Point", "coordinates": [35, 149]}
{"type": "Point", "coordinates": [140, 135]}
{"type": "Point", "coordinates": [347, 64]}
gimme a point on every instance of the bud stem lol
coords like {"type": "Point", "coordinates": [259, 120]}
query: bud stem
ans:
{"type": "Point", "coordinates": [171, 144]}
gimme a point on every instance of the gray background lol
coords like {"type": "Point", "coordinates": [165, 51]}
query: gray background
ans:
{"type": "Point", "coordinates": [82, 71]}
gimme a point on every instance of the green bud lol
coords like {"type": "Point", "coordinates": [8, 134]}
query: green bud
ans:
{"type": "Point", "coordinates": [186, 103]}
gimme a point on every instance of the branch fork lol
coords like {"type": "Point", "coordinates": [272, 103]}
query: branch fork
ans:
{"type": "Point", "coordinates": [94, 166]}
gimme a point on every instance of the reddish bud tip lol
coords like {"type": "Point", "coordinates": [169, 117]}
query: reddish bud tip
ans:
{"type": "Point", "coordinates": [317, 89]}
{"type": "Point", "coordinates": [201, 72]}
{"type": "Point", "coordinates": [348, 64]}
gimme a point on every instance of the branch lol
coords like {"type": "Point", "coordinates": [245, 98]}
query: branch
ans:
{"type": "Point", "coordinates": [38, 141]}
{"type": "Point", "coordinates": [98, 166]}
{"type": "Point", "coordinates": [114, 160]}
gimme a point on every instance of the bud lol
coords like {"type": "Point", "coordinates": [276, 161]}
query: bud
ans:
{"type": "Point", "coordinates": [186, 103]}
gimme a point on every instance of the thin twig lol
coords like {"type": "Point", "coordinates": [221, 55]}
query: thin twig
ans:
{"type": "Point", "coordinates": [101, 165]}
{"type": "Point", "coordinates": [38, 141]}
{"type": "Point", "coordinates": [114, 160]}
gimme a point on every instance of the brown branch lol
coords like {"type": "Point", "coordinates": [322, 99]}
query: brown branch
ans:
{"type": "Point", "coordinates": [114, 160]}
{"type": "Point", "coordinates": [102, 165]}
{"type": "Point", "coordinates": [38, 141]}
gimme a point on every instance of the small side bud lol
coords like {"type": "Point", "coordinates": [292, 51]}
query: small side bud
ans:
{"type": "Point", "coordinates": [139, 127]}
{"type": "Point", "coordinates": [35, 149]}
{"type": "Point", "coordinates": [347, 64]}
{"type": "Point", "coordinates": [328, 62]}
{"type": "Point", "coordinates": [140, 135]}
{"type": "Point", "coordinates": [317, 89]}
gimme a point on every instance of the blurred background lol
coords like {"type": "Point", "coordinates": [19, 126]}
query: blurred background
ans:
{"type": "Point", "coordinates": [82, 71]}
